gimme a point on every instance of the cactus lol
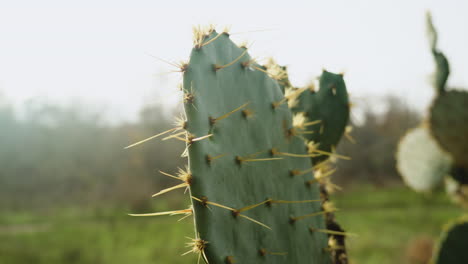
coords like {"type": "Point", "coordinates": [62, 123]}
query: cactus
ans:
{"type": "Point", "coordinates": [449, 124]}
{"type": "Point", "coordinates": [254, 195]}
{"type": "Point", "coordinates": [426, 157]}
{"type": "Point", "coordinates": [302, 123]}
{"type": "Point", "coordinates": [329, 107]}
{"type": "Point", "coordinates": [420, 161]}
{"type": "Point", "coordinates": [453, 242]}
{"type": "Point", "coordinates": [253, 191]}
{"type": "Point", "coordinates": [448, 114]}
{"type": "Point", "coordinates": [442, 66]}
{"type": "Point", "coordinates": [448, 128]}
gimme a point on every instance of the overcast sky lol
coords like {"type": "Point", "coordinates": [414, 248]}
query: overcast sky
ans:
{"type": "Point", "coordinates": [99, 51]}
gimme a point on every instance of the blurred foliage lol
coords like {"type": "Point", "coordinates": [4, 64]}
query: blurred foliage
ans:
{"type": "Point", "coordinates": [376, 140]}
{"type": "Point", "coordinates": [55, 156]}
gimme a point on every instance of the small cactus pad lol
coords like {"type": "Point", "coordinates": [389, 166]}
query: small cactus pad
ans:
{"type": "Point", "coordinates": [442, 66]}
{"type": "Point", "coordinates": [329, 106]}
{"type": "Point", "coordinates": [252, 202]}
{"type": "Point", "coordinates": [453, 246]}
{"type": "Point", "coordinates": [449, 124]}
{"type": "Point", "coordinates": [420, 161]}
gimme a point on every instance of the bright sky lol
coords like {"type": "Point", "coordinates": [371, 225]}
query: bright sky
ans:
{"type": "Point", "coordinates": [99, 51]}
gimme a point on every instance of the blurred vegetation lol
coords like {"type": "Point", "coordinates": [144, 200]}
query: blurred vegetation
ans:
{"type": "Point", "coordinates": [67, 184]}
{"type": "Point", "coordinates": [55, 156]}
{"type": "Point", "coordinates": [376, 140]}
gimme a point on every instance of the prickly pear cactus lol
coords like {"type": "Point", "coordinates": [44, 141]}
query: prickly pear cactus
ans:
{"type": "Point", "coordinates": [422, 164]}
{"type": "Point", "coordinates": [420, 161]}
{"type": "Point", "coordinates": [448, 115]}
{"type": "Point", "coordinates": [453, 243]}
{"type": "Point", "coordinates": [255, 199]}
{"type": "Point", "coordinates": [328, 109]}
{"type": "Point", "coordinates": [449, 124]}
{"type": "Point", "coordinates": [442, 66]}
{"type": "Point", "coordinates": [301, 124]}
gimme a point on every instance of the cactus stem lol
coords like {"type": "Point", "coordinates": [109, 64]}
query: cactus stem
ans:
{"type": "Point", "coordinates": [177, 212]}
{"type": "Point", "coordinates": [331, 232]}
{"type": "Point", "coordinates": [214, 120]}
{"type": "Point", "coordinates": [219, 67]}
{"type": "Point", "coordinates": [152, 137]}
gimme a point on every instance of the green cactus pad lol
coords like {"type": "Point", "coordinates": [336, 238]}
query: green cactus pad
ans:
{"type": "Point", "coordinates": [420, 161]}
{"type": "Point", "coordinates": [442, 66]}
{"type": "Point", "coordinates": [453, 244]}
{"type": "Point", "coordinates": [449, 124]}
{"type": "Point", "coordinates": [242, 163]}
{"type": "Point", "coordinates": [330, 105]}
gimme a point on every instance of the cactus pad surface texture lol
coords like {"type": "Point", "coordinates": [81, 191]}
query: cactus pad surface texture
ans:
{"type": "Point", "coordinates": [330, 106]}
{"type": "Point", "coordinates": [253, 191]}
{"type": "Point", "coordinates": [449, 124]}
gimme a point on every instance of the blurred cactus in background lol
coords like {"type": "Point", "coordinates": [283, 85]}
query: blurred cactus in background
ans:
{"type": "Point", "coordinates": [438, 150]}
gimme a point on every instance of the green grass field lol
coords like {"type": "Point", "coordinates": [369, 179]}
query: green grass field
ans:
{"type": "Point", "coordinates": [384, 221]}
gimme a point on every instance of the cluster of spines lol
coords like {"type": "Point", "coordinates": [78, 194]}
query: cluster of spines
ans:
{"type": "Point", "coordinates": [323, 170]}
